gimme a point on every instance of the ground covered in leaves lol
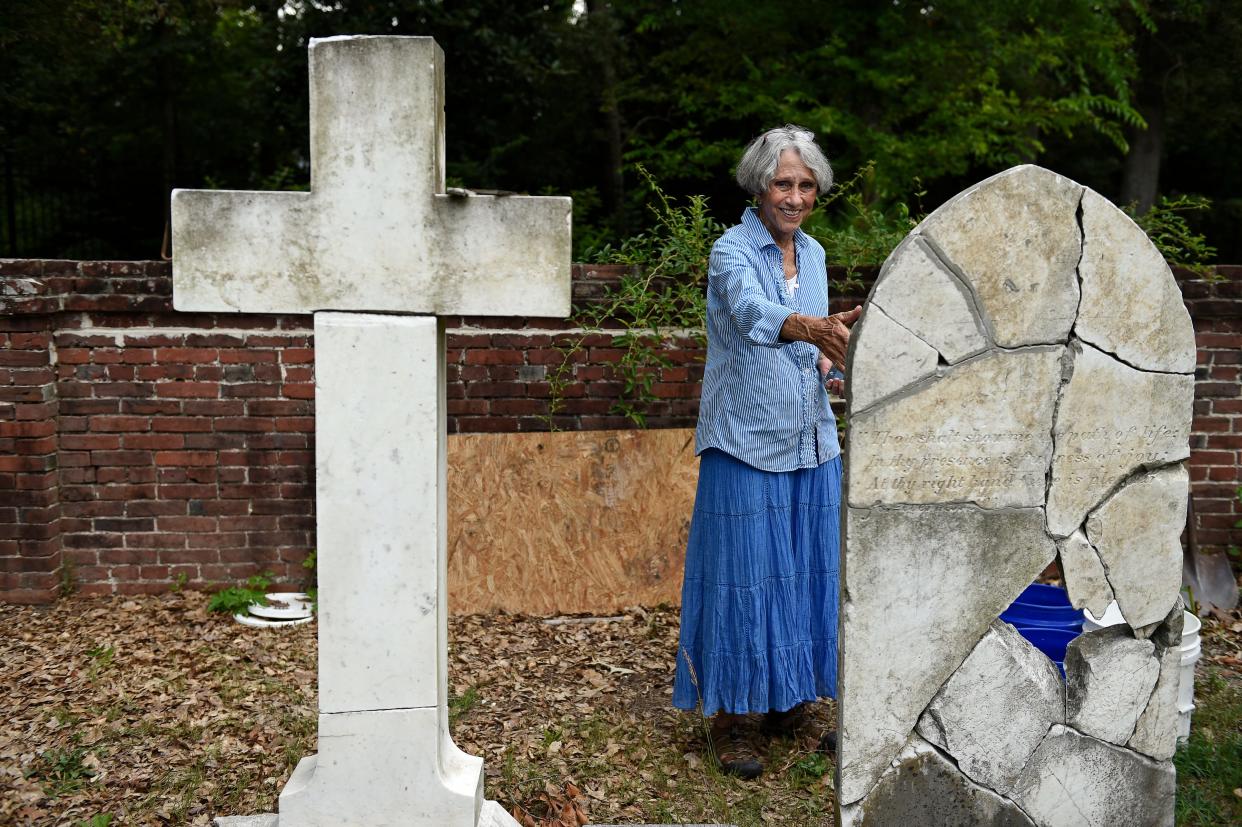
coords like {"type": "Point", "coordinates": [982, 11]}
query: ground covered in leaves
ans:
{"type": "Point", "coordinates": [153, 711]}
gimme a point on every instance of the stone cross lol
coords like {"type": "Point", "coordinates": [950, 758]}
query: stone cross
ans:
{"type": "Point", "coordinates": [1021, 388]}
{"type": "Point", "coordinates": [377, 233]}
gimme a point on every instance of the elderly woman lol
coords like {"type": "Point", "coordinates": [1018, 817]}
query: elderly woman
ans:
{"type": "Point", "coordinates": [759, 604]}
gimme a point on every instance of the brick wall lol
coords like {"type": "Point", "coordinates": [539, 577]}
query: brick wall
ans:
{"type": "Point", "coordinates": [1216, 435]}
{"type": "Point", "coordinates": [140, 446]}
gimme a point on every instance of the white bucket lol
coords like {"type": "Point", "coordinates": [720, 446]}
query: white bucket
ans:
{"type": "Point", "coordinates": [1186, 686]}
{"type": "Point", "coordinates": [1190, 656]}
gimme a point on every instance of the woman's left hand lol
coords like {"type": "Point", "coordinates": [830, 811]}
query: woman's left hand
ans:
{"type": "Point", "coordinates": [835, 386]}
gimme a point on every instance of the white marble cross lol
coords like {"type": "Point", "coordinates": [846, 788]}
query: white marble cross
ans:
{"type": "Point", "coordinates": [377, 233]}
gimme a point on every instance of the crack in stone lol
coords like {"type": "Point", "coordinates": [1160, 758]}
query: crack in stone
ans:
{"type": "Point", "coordinates": [1130, 365]}
{"type": "Point", "coordinates": [1128, 479]}
{"type": "Point", "coordinates": [942, 258]}
{"type": "Point", "coordinates": [915, 388]}
{"type": "Point", "coordinates": [1067, 373]}
{"type": "Point", "coordinates": [1005, 509]}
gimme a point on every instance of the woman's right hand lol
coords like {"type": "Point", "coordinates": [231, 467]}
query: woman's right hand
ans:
{"type": "Point", "coordinates": [831, 334]}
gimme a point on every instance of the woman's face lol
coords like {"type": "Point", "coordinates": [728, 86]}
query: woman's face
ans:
{"type": "Point", "coordinates": [790, 196]}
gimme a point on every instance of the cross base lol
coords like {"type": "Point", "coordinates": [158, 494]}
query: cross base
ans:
{"type": "Point", "coordinates": [376, 768]}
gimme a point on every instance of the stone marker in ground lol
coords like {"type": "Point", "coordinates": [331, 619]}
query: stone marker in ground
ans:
{"type": "Point", "coordinates": [1052, 420]}
{"type": "Point", "coordinates": [377, 236]}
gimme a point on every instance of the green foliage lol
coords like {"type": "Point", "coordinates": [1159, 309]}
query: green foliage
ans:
{"type": "Point", "coordinates": [459, 705]}
{"type": "Point", "coordinates": [239, 598]}
{"type": "Point", "coordinates": [98, 820]}
{"type": "Point", "coordinates": [1165, 224]}
{"type": "Point", "coordinates": [1209, 767]}
{"type": "Point", "coordinates": [63, 770]}
{"type": "Point", "coordinates": [68, 578]}
{"type": "Point", "coordinates": [179, 582]}
{"type": "Point", "coordinates": [810, 768]}
{"type": "Point", "coordinates": [101, 658]}
{"type": "Point", "coordinates": [860, 233]}
{"type": "Point", "coordinates": [661, 295]}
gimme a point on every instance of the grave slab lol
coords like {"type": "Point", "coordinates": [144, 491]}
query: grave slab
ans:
{"type": "Point", "coordinates": [980, 433]}
{"type": "Point", "coordinates": [1109, 676]}
{"type": "Point", "coordinates": [1102, 436]}
{"type": "Point", "coordinates": [1043, 420]}
{"type": "Point", "coordinates": [926, 298]}
{"type": "Point", "coordinates": [1074, 779]}
{"type": "Point", "coordinates": [996, 708]}
{"type": "Point", "coordinates": [895, 359]}
{"type": "Point", "coordinates": [925, 582]}
{"type": "Point", "coordinates": [377, 233]}
{"type": "Point", "coordinates": [1015, 242]}
{"type": "Point", "coordinates": [1137, 533]}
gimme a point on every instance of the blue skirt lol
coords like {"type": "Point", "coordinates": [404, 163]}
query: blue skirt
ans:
{"type": "Point", "coordinates": [759, 602]}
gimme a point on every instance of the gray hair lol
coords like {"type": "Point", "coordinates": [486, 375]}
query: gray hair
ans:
{"type": "Point", "coordinates": [758, 165]}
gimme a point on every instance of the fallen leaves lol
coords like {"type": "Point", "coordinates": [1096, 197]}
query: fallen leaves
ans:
{"type": "Point", "coordinates": [153, 711]}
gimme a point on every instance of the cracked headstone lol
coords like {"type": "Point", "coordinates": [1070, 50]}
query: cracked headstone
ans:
{"type": "Point", "coordinates": [1058, 408]}
{"type": "Point", "coordinates": [995, 709]}
{"type": "Point", "coordinates": [1075, 779]}
{"type": "Point", "coordinates": [1109, 676]}
{"type": "Point", "coordinates": [377, 233]}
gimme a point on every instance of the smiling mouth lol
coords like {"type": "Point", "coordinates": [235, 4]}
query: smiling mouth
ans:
{"type": "Point", "coordinates": [790, 213]}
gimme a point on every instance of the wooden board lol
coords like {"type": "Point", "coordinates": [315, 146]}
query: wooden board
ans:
{"type": "Point", "coordinates": [585, 521]}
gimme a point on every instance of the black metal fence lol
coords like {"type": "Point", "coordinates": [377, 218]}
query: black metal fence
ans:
{"type": "Point", "coordinates": [50, 209]}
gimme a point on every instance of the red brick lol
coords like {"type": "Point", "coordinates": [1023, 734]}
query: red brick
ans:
{"type": "Point", "coordinates": [297, 424]}
{"type": "Point", "coordinates": [518, 406]}
{"type": "Point", "coordinates": [297, 355]}
{"type": "Point", "coordinates": [120, 457]}
{"type": "Point", "coordinates": [180, 424]}
{"type": "Point", "coordinates": [125, 491]}
{"type": "Point", "coordinates": [23, 358]}
{"type": "Point", "coordinates": [133, 474]}
{"type": "Point", "coordinates": [188, 390]}
{"type": "Point", "coordinates": [298, 390]}
{"type": "Point", "coordinates": [154, 441]}
{"type": "Point", "coordinates": [27, 429]}
{"type": "Point", "coordinates": [247, 356]}
{"type": "Point", "coordinates": [157, 373]}
{"type": "Point", "coordinates": [114, 424]}
{"type": "Point", "coordinates": [485, 356]}
{"type": "Point", "coordinates": [186, 491]}
{"type": "Point", "coordinates": [186, 524]}
{"type": "Point", "coordinates": [1212, 458]}
{"type": "Point", "coordinates": [183, 355]}
{"type": "Point", "coordinates": [186, 458]}
{"type": "Point", "coordinates": [16, 463]}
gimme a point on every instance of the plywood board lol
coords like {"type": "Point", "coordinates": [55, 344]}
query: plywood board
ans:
{"type": "Point", "coordinates": [585, 521]}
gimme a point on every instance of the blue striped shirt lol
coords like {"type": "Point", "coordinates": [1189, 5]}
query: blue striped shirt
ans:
{"type": "Point", "coordinates": [763, 400]}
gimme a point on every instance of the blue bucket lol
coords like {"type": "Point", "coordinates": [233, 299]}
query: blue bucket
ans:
{"type": "Point", "coordinates": [1046, 606]}
{"type": "Point", "coordinates": [1051, 641]}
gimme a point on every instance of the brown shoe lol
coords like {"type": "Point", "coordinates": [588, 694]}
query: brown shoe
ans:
{"type": "Point", "coordinates": [733, 753]}
{"type": "Point", "coordinates": [785, 724]}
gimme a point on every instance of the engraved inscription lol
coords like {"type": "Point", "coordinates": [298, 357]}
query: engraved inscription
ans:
{"type": "Point", "coordinates": [985, 436]}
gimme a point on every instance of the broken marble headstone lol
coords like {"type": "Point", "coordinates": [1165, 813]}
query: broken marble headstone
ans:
{"type": "Point", "coordinates": [1020, 389]}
